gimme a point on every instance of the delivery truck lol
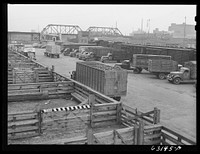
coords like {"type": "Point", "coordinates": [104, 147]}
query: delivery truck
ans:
{"type": "Point", "coordinates": [187, 74]}
{"type": "Point", "coordinates": [140, 61]}
{"type": "Point", "coordinates": [52, 50]}
{"type": "Point", "coordinates": [161, 68]}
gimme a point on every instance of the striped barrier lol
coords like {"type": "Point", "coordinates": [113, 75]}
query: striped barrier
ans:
{"type": "Point", "coordinates": [69, 108]}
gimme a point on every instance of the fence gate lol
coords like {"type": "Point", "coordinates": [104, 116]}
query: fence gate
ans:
{"type": "Point", "coordinates": [127, 136]}
{"type": "Point", "coordinates": [25, 75]}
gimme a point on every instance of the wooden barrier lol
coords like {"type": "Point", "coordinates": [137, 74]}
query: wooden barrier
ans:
{"type": "Point", "coordinates": [172, 137]}
{"type": "Point", "coordinates": [34, 91]}
{"type": "Point", "coordinates": [24, 124]}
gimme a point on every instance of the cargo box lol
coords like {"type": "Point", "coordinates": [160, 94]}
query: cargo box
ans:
{"type": "Point", "coordinates": [141, 60]}
{"type": "Point", "coordinates": [103, 78]}
{"type": "Point", "coordinates": [53, 49]}
{"type": "Point", "coordinates": [165, 66]}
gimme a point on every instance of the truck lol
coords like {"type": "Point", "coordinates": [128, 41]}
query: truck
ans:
{"type": "Point", "coordinates": [140, 61]}
{"type": "Point", "coordinates": [27, 50]}
{"type": "Point", "coordinates": [108, 80]}
{"type": "Point", "coordinates": [161, 67]}
{"type": "Point", "coordinates": [96, 52]}
{"type": "Point", "coordinates": [52, 50]}
{"type": "Point", "coordinates": [187, 74]}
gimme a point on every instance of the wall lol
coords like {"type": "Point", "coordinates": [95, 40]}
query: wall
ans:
{"type": "Point", "coordinates": [24, 37]}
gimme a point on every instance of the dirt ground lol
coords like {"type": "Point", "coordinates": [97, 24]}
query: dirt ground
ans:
{"type": "Point", "coordinates": [144, 92]}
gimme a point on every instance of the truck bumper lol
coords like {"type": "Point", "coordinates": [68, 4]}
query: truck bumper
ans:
{"type": "Point", "coordinates": [169, 78]}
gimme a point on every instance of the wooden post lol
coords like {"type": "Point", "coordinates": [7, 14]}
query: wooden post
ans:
{"type": "Point", "coordinates": [39, 113]}
{"type": "Point", "coordinates": [36, 76]}
{"type": "Point", "coordinates": [14, 78]}
{"type": "Point", "coordinates": [156, 116]}
{"type": "Point", "coordinates": [89, 136]}
{"type": "Point", "coordinates": [114, 136]}
{"type": "Point", "coordinates": [14, 126]}
{"type": "Point", "coordinates": [141, 133]}
{"type": "Point", "coordinates": [53, 68]}
{"type": "Point", "coordinates": [91, 99]}
{"type": "Point", "coordinates": [119, 109]}
{"type": "Point", "coordinates": [135, 135]}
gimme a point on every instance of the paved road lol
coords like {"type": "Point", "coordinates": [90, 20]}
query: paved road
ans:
{"type": "Point", "coordinates": [144, 91]}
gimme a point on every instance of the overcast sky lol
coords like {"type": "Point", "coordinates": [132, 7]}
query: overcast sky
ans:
{"type": "Point", "coordinates": [126, 17]}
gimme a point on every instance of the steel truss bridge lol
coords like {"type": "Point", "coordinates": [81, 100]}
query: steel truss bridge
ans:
{"type": "Point", "coordinates": [104, 31]}
{"type": "Point", "coordinates": [57, 30]}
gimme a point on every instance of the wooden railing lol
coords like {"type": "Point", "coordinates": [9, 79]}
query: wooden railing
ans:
{"type": "Point", "coordinates": [42, 90]}
{"type": "Point", "coordinates": [24, 124]}
{"type": "Point", "coordinates": [172, 137]}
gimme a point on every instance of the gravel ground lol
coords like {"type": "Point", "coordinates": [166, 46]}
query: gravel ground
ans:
{"type": "Point", "coordinates": [144, 91]}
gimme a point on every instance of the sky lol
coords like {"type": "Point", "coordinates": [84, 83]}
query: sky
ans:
{"type": "Point", "coordinates": [27, 17]}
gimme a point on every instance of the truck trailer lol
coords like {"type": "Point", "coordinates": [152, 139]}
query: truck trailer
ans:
{"type": "Point", "coordinates": [52, 50]}
{"type": "Point", "coordinates": [161, 68]}
{"type": "Point", "coordinates": [108, 80]}
{"type": "Point", "coordinates": [140, 61]}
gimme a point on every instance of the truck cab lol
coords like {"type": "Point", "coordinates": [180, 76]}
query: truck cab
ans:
{"type": "Point", "coordinates": [107, 57]}
{"type": "Point", "coordinates": [125, 65]}
{"type": "Point", "coordinates": [184, 75]}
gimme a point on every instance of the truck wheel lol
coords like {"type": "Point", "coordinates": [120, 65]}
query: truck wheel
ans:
{"type": "Point", "coordinates": [136, 71]}
{"type": "Point", "coordinates": [161, 76]}
{"type": "Point", "coordinates": [117, 98]}
{"type": "Point", "coordinates": [58, 56]}
{"type": "Point", "coordinates": [176, 80]}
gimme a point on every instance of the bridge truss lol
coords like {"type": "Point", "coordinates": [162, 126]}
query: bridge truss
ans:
{"type": "Point", "coordinates": [104, 31]}
{"type": "Point", "coordinates": [58, 30]}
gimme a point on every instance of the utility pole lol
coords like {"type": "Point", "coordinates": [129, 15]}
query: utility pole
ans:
{"type": "Point", "coordinates": [184, 32]}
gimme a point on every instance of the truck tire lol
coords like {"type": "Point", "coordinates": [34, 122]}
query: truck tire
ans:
{"type": "Point", "coordinates": [136, 71]}
{"type": "Point", "coordinates": [58, 56]}
{"type": "Point", "coordinates": [176, 81]}
{"type": "Point", "coordinates": [117, 98]}
{"type": "Point", "coordinates": [161, 76]}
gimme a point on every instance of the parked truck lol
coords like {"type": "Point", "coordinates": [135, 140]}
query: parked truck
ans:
{"type": "Point", "coordinates": [52, 50]}
{"type": "Point", "coordinates": [140, 61]}
{"type": "Point", "coordinates": [161, 68]}
{"type": "Point", "coordinates": [96, 52]}
{"type": "Point", "coordinates": [187, 74]}
{"type": "Point", "coordinates": [108, 80]}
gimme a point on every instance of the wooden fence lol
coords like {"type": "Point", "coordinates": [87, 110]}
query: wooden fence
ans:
{"type": "Point", "coordinates": [42, 90]}
{"type": "Point", "coordinates": [172, 137]}
{"type": "Point", "coordinates": [24, 124]}
{"type": "Point", "coordinates": [135, 135]}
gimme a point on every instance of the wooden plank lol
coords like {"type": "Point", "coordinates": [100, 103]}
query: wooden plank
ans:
{"type": "Point", "coordinates": [178, 134]}
{"type": "Point", "coordinates": [106, 113]}
{"type": "Point", "coordinates": [24, 122]}
{"type": "Point", "coordinates": [103, 119]}
{"type": "Point", "coordinates": [154, 142]}
{"type": "Point", "coordinates": [151, 136]}
{"type": "Point", "coordinates": [24, 129]}
{"type": "Point", "coordinates": [106, 105]}
{"type": "Point", "coordinates": [22, 136]}
{"type": "Point", "coordinates": [172, 139]}
{"type": "Point", "coordinates": [103, 134]}
{"type": "Point", "coordinates": [106, 123]}
{"type": "Point", "coordinates": [22, 113]}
